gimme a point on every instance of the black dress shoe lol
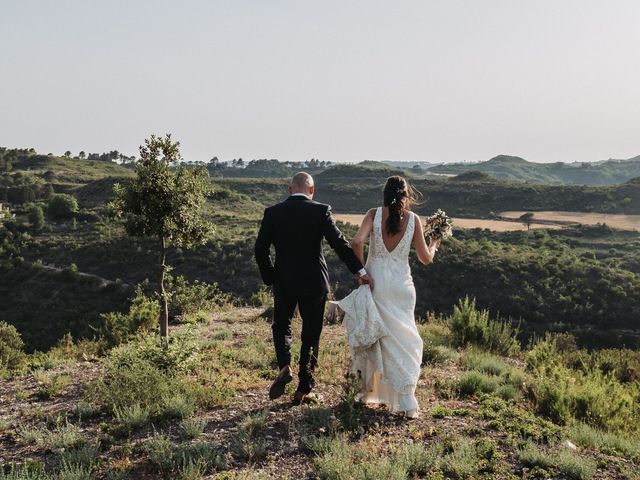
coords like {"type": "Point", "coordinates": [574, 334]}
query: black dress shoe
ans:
{"type": "Point", "coordinates": [300, 398]}
{"type": "Point", "coordinates": [280, 383]}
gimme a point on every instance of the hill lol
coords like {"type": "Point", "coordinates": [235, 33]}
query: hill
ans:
{"type": "Point", "coordinates": [68, 170]}
{"type": "Point", "coordinates": [203, 412]}
{"type": "Point", "coordinates": [94, 246]}
{"type": "Point", "coordinates": [355, 188]}
{"type": "Point", "coordinates": [507, 167]}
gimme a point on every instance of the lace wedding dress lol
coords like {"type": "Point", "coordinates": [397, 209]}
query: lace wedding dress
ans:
{"type": "Point", "coordinates": [385, 343]}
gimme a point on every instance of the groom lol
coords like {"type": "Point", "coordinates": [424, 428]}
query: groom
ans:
{"type": "Point", "coordinates": [300, 277]}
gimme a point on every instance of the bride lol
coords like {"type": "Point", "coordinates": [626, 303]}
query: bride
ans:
{"type": "Point", "coordinates": [389, 367]}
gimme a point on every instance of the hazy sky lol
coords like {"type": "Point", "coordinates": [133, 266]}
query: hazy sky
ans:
{"type": "Point", "coordinates": [343, 80]}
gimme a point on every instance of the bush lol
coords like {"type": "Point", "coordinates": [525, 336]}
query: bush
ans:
{"type": "Point", "coordinates": [470, 326]}
{"type": "Point", "coordinates": [169, 457]}
{"type": "Point", "coordinates": [472, 383]}
{"type": "Point", "coordinates": [36, 217]}
{"type": "Point", "coordinates": [594, 439]}
{"type": "Point", "coordinates": [12, 357]}
{"type": "Point", "coordinates": [147, 372]}
{"type": "Point", "coordinates": [62, 206]}
{"type": "Point", "coordinates": [568, 463]}
{"type": "Point", "coordinates": [483, 362]}
{"type": "Point", "coordinates": [248, 444]}
{"type": "Point", "coordinates": [592, 397]}
{"type": "Point", "coordinates": [190, 298]}
{"type": "Point", "coordinates": [125, 385]}
{"type": "Point", "coordinates": [119, 327]}
{"type": "Point", "coordinates": [340, 460]}
{"type": "Point", "coordinates": [131, 417]}
{"type": "Point", "coordinates": [193, 427]}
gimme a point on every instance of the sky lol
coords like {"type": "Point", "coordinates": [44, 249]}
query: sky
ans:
{"type": "Point", "coordinates": [338, 80]}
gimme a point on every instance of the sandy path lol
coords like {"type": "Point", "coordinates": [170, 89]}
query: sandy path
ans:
{"type": "Point", "coordinates": [495, 225]}
{"type": "Point", "coordinates": [624, 222]}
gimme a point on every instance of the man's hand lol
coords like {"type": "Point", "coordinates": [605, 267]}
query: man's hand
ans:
{"type": "Point", "coordinates": [364, 280]}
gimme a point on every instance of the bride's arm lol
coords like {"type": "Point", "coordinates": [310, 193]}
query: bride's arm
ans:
{"type": "Point", "coordinates": [363, 234]}
{"type": "Point", "coordinates": [425, 252]}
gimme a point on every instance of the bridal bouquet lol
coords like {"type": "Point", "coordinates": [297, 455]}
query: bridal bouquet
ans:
{"type": "Point", "coordinates": [438, 226]}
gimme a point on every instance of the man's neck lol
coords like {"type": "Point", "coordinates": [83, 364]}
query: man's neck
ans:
{"type": "Point", "coordinates": [299, 194]}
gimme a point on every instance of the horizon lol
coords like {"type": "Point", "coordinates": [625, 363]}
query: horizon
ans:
{"type": "Point", "coordinates": [443, 82]}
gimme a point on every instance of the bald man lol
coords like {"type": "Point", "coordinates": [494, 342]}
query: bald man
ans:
{"type": "Point", "coordinates": [296, 228]}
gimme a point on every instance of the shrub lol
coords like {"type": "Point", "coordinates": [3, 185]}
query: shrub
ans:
{"type": "Point", "coordinates": [470, 326]}
{"type": "Point", "coordinates": [440, 411]}
{"type": "Point", "coordinates": [189, 298]}
{"type": "Point", "coordinates": [418, 460]}
{"type": "Point", "coordinates": [28, 471]}
{"type": "Point", "coordinates": [125, 385]}
{"type": "Point", "coordinates": [437, 354]}
{"type": "Point", "coordinates": [160, 450]}
{"type": "Point", "coordinates": [12, 357]}
{"type": "Point", "coordinates": [193, 427]}
{"type": "Point", "coordinates": [131, 417]}
{"type": "Point", "coordinates": [149, 373]}
{"type": "Point", "coordinates": [36, 217]}
{"type": "Point", "coordinates": [74, 472]}
{"type": "Point", "coordinates": [568, 463]}
{"type": "Point", "coordinates": [340, 460]}
{"type": "Point", "coordinates": [483, 362]}
{"type": "Point", "coordinates": [208, 457]}
{"type": "Point", "coordinates": [472, 383]}
{"type": "Point", "coordinates": [594, 439]}
{"type": "Point", "coordinates": [247, 443]}
{"type": "Point", "coordinates": [51, 385]}
{"type": "Point", "coordinates": [81, 456]}
{"type": "Point", "coordinates": [121, 327]}
{"type": "Point", "coordinates": [592, 397]}
{"type": "Point", "coordinates": [62, 206]}
{"type": "Point", "coordinates": [177, 405]}
{"type": "Point", "coordinates": [461, 460]}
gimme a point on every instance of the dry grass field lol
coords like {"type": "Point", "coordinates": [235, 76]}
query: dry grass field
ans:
{"type": "Point", "coordinates": [620, 221]}
{"type": "Point", "coordinates": [495, 225]}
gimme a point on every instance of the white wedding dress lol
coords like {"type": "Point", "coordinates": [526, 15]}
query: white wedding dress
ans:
{"type": "Point", "coordinates": [385, 343]}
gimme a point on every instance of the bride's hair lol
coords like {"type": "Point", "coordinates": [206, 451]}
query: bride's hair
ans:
{"type": "Point", "coordinates": [399, 196]}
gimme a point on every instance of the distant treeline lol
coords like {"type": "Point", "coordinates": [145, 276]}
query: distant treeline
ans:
{"type": "Point", "coordinates": [352, 189]}
{"type": "Point", "coordinates": [504, 167]}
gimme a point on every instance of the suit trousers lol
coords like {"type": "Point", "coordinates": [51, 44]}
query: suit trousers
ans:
{"type": "Point", "coordinates": [311, 307]}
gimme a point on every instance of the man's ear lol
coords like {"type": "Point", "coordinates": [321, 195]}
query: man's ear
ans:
{"type": "Point", "coordinates": [289, 189]}
{"type": "Point", "coordinates": [312, 189]}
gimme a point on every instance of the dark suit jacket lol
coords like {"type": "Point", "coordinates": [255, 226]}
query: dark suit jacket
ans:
{"type": "Point", "coordinates": [296, 228]}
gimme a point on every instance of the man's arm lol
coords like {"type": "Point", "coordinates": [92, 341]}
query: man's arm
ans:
{"type": "Point", "coordinates": [262, 251]}
{"type": "Point", "coordinates": [339, 243]}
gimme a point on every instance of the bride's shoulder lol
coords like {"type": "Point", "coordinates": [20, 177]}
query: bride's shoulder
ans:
{"type": "Point", "coordinates": [372, 212]}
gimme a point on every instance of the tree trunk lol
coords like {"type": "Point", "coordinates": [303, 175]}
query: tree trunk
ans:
{"type": "Point", "coordinates": [164, 304]}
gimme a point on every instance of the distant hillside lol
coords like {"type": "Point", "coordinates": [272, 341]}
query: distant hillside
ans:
{"type": "Point", "coordinates": [68, 170]}
{"type": "Point", "coordinates": [363, 170]}
{"type": "Point", "coordinates": [505, 167]}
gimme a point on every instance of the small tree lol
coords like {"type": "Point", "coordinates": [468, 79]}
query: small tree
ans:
{"type": "Point", "coordinates": [527, 219]}
{"type": "Point", "coordinates": [165, 203]}
{"type": "Point", "coordinates": [36, 217]}
{"type": "Point", "coordinates": [67, 153]}
{"type": "Point", "coordinates": [62, 206]}
{"type": "Point", "coordinates": [82, 155]}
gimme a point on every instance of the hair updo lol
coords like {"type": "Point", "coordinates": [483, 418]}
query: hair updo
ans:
{"type": "Point", "coordinates": [399, 197]}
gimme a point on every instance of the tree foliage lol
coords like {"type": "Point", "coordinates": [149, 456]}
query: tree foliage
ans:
{"type": "Point", "coordinates": [62, 206]}
{"type": "Point", "coordinates": [164, 200]}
